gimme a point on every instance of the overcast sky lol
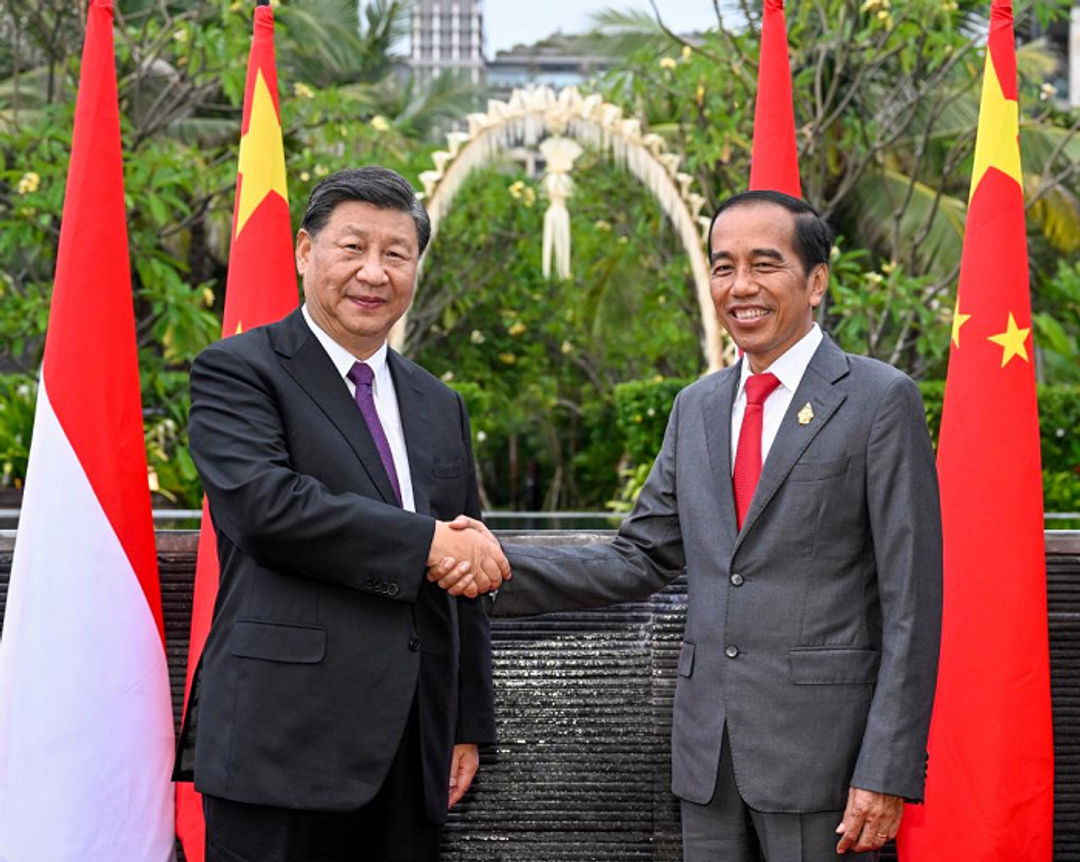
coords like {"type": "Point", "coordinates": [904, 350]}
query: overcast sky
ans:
{"type": "Point", "coordinates": [508, 22]}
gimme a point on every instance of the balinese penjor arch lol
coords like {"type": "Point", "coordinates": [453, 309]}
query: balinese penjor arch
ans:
{"type": "Point", "coordinates": [531, 115]}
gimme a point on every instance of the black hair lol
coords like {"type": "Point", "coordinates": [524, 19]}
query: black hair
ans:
{"type": "Point", "coordinates": [813, 237]}
{"type": "Point", "coordinates": [375, 185]}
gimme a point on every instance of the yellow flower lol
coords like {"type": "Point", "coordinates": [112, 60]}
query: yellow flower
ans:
{"type": "Point", "coordinates": [602, 225]}
{"type": "Point", "coordinates": [668, 63]}
{"type": "Point", "coordinates": [180, 36]}
{"type": "Point", "coordinates": [303, 91]}
{"type": "Point", "coordinates": [567, 347]}
{"type": "Point", "coordinates": [207, 297]}
{"type": "Point", "coordinates": [477, 337]}
{"type": "Point", "coordinates": [529, 196]}
{"type": "Point", "coordinates": [889, 267]}
{"type": "Point", "coordinates": [507, 358]}
{"type": "Point", "coordinates": [29, 183]}
{"type": "Point", "coordinates": [687, 52]}
{"type": "Point", "coordinates": [304, 176]}
{"type": "Point", "coordinates": [321, 170]}
{"type": "Point", "coordinates": [699, 96]}
{"type": "Point", "coordinates": [515, 189]}
{"type": "Point", "coordinates": [448, 376]}
{"type": "Point", "coordinates": [517, 329]}
{"type": "Point", "coordinates": [874, 278]}
{"type": "Point", "coordinates": [380, 124]}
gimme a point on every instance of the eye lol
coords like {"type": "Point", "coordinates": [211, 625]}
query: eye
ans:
{"type": "Point", "coordinates": [721, 269]}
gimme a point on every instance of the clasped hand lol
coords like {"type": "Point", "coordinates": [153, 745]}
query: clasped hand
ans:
{"type": "Point", "coordinates": [465, 558]}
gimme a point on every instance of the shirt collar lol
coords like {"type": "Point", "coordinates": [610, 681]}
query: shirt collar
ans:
{"type": "Point", "coordinates": [790, 366]}
{"type": "Point", "coordinates": [343, 360]}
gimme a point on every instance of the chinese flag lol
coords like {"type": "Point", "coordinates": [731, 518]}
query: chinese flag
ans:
{"type": "Point", "coordinates": [774, 162]}
{"type": "Point", "coordinates": [989, 793]}
{"type": "Point", "coordinates": [261, 288]}
{"type": "Point", "coordinates": [86, 727]}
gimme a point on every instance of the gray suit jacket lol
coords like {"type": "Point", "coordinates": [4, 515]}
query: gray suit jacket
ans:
{"type": "Point", "coordinates": [813, 632]}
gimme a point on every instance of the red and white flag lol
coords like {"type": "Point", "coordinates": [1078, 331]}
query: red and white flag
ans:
{"type": "Point", "coordinates": [86, 726]}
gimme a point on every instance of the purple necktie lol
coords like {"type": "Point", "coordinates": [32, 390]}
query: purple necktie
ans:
{"type": "Point", "coordinates": [362, 375]}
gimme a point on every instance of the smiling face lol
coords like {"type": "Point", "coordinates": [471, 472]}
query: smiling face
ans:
{"type": "Point", "coordinates": [763, 296]}
{"type": "Point", "coordinates": [359, 273]}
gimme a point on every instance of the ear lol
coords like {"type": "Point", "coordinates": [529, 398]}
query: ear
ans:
{"type": "Point", "coordinates": [303, 250]}
{"type": "Point", "coordinates": [818, 283]}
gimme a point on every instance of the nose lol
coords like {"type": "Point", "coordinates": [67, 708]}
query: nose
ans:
{"type": "Point", "coordinates": [742, 281]}
{"type": "Point", "coordinates": [371, 270]}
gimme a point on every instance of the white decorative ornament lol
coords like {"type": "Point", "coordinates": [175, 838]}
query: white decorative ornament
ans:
{"type": "Point", "coordinates": [560, 154]}
{"type": "Point", "coordinates": [533, 115]}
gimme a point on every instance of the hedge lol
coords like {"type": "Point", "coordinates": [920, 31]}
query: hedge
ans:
{"type": "Point", "coordinates": [642, 407]}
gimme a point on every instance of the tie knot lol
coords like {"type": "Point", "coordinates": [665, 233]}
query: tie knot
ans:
{"type": "Point", "coordinates": [759, 387]}
{"type": "Point", "coordinates": [362, 375]}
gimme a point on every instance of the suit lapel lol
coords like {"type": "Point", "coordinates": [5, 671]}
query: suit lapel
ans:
{"type": "Point", "coordinates": [817, 389]}
{"type": "Point", "coordinates": [304, 359]}
{"type": "Point", "coordinates": [717, 416]}
{"type": "Point", "coordinates": [418, 426]}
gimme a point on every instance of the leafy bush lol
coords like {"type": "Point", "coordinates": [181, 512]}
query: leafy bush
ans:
{"type": "Point", "coordinates": [642, 408]}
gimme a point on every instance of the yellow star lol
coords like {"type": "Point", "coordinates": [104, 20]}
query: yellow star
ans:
{"type": "Point", "coordinates": [262, 155]}
{"type": "Point", "coordinates": [958, 320]}
{"type": "Point", "coordinates": [1013, 340]}
{"type": "Point", "coordinates": [996, 142]}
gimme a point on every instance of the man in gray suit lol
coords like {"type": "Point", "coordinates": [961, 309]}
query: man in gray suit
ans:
{"type": "Point", "coordinates": [797, 491]}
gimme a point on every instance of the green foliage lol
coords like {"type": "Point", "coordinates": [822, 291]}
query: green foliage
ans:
{"type": "Point", "coordinates": [642, 408]}
{"type": "Point", "coordinates": [546, 354]}
{"type": "Point", "coordinates": [181, 74]}
{"type": "Point", "coordinates": [18, 396]}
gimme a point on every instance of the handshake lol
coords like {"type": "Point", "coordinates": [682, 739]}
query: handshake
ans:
{"type": "Point", "coordinates": [465, 558]}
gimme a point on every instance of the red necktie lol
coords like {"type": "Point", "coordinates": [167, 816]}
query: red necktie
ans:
{"type": "Point", "coordinates": [748, 454]}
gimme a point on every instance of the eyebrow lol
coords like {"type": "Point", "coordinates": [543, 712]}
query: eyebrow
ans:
{"type": "Point", "coordinates": [771, 253]}
{"type": "Point", "coordinates": [361, 230]}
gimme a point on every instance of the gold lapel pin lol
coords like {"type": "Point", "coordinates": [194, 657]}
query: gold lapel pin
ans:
{"type": "Point", "coordinates": [806, 415]}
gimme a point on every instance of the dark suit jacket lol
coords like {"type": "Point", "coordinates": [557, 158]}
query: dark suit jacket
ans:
{"type": "Point", "coordinates": [325, 628]}
{"type": "Point", "coordinates": [811, 634]}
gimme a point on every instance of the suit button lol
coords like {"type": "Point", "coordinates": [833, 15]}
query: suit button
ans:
{"type": "Point", "coordinates": [414, 644]}
{"type": "Point", "coordinates": [737, 580]}
{"type": "Point", "coordinates": [393, 590]}
{"type": "Point", "coordinates": [731, 651]}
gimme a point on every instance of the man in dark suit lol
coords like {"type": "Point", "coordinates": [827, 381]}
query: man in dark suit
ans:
{"type": "Point", "coordinates": [342, 696]}
{"type": "Point", "coordinates": [797, 491]}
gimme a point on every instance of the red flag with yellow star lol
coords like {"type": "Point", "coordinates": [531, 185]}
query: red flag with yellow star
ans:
{"type": "Point", "coordinates": [261, 288]}
{"type": "Point", "coordinates": [774, 160]}
{"type": "Point", "coordinates": [990, 778]}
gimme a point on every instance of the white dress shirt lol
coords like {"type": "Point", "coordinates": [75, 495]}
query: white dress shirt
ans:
{"type": "Point", "coordinates": [386, 403]}
{"type": "Point", "coordinates": [789, 369]}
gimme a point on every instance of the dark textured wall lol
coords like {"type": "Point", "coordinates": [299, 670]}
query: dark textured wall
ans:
{"type": "Point", "coordinates": [581, 769]}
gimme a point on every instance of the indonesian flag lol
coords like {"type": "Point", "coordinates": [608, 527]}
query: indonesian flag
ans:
{"type": "Point", "coordinates": [261, 288]}
{"type": "Point", "coordinates": [86, 726]}
{"type": "Point", "coordinates": [991, 768]}
{"type": "Point", "coordinates": [774, 161]}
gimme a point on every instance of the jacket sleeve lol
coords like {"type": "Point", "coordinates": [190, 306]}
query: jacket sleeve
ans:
{"type": "Point", "coordinates": [283, 519]}
{"type": "Point", "coordinates": [905, 527]}
{"type": "Point", "coordinates": [476, 696]}
{"type": "Point", "coordinates": [646, 554]}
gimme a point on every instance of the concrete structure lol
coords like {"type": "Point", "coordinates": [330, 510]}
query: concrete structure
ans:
{"type": "Point", "coordinates": [447, 35]}
{"type": "Point", "coordinates": [557, 61]}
